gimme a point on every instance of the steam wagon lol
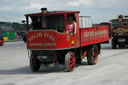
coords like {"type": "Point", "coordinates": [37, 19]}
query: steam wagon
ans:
{"type": "Point", "coordinates": [119, 29]}
{"type": "Point", "coordinates": [49, 43]}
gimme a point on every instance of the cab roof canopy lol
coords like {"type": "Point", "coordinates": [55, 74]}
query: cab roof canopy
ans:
{"type": "Point", "coordinates": [52, 13]}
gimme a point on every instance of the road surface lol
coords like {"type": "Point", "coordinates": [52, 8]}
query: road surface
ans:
{"type": "Point", "coordinates": [112, 69]}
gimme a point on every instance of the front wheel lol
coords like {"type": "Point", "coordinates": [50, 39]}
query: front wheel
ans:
{"type": "Point", "coordinates": [70, 61]}
{"type": "Point", "coordinates": [34, 63]}
{"type": "Point", "coordinates": [92, 55]}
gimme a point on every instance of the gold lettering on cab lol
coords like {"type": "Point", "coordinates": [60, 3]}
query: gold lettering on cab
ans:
{"type": "Point", "coordinates": [51, 37]}
{"type": "Point", "coordinates": [37, 35]}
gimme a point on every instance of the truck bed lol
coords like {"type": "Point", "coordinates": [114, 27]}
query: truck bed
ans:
{"type": "Point", "coordinates": [93, 35]}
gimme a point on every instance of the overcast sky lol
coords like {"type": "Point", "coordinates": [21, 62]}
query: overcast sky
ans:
{"type": "Point", "coordinates": [100, 10]}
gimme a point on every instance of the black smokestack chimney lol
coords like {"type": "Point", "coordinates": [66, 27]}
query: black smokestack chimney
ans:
{"type": "Point", "coordinates": [43, 18]}
{"type": "Point", "coordinates": [44, 10]}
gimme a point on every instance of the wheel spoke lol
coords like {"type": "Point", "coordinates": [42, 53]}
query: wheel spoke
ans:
{"type": "Point", "coordinates": [72, 66]}
{"type": "Point", "coordinates": [93, 54]}
{"type": "Point", "coordinates": [74, 61]}
{"type": "Point", "coordinates": [70, 62]}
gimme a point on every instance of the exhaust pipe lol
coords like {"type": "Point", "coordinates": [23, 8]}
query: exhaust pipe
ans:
{"type": "Point", "coordinates": [44, 21]}
{"type": "Point", "coordinates": [44, 10]}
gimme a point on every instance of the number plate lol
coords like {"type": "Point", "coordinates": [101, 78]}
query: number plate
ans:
{"type": "Point", "coordinates": [121, 40]}
{"type": "Point", "coordinates": [42, 57]}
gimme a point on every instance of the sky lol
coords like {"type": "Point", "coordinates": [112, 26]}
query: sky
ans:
{"type": "Point", "coordinates": [100, 10]}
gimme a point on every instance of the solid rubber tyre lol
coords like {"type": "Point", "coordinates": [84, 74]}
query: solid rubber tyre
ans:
{"type": "Point", "coordinates": [34, 63]}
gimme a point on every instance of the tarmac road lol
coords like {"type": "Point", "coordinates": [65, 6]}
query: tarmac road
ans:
{"type": "Point", "coordinates": [112, 69]}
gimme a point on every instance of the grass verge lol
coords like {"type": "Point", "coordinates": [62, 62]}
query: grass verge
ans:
{"type": "Point", "coordinates": [13, 40]}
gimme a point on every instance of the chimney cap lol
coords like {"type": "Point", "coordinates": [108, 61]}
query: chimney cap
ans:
{"type": "Point", "coordinates": [120, 16]}
{"type": "Point", "coordinates": [43, 8]}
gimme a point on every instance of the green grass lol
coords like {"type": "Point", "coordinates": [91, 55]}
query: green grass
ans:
{"type": "Point", "coordinates": [13, 41]}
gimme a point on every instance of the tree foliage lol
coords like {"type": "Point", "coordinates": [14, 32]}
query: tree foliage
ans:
{"type": "Point", "coordinates": [14, 25]}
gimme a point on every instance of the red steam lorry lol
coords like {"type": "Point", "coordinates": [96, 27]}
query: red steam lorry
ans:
{"type": "Point", "coordinates": [48, 42]}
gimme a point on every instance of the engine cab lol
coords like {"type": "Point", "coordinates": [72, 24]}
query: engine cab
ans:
{"type": "Point", "coordinates": [47, 30]}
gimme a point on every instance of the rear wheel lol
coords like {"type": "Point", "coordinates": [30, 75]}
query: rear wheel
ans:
{"type": "Point", "coordinates": [34, 63]}
{"type": "Point", "coordinates": [70, 61]}
{"type": "Point", "coordinates": [92, 55]}
{"type": "Point", "coordinates": [113, 44]}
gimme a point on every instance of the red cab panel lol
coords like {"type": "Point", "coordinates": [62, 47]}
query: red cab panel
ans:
{"type": "Point", "coordinates": [47, 40]}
